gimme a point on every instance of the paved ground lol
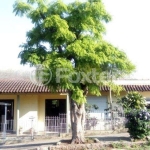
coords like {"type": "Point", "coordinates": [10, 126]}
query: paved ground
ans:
{"type": "Point", "coordinates": [30, 144]}
{"type": "Point", "coordinates": [36, 144]}
{"type": "Point", "coordinates": [113, 137]}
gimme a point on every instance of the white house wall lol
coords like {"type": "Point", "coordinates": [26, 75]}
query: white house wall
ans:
{"type": "Point", "coordinates": [101, 102]}
{"type": "Point", "coordinates": [98, 114]}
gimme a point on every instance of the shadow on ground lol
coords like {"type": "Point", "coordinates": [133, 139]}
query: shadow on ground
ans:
{"type": "Point", "coordinates": [106, 138]}
{"type": "Point", "coordinates": [114, 138]}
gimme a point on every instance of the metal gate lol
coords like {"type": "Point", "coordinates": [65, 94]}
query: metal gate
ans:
{"type": "Point", "coordinates": [56, 124]}
{"type": "Point", "coordinates": [8, 125]}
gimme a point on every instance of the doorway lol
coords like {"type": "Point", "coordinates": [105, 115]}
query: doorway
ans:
{"type": "Point", "coordinates": [55, 115]}
{"type": "Point", "coordinates": [54, 107]}
{"type": "Point", "coordinates": [10, 114]}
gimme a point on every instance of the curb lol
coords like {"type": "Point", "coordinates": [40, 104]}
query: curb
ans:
{"type": "Point", "coordinates": [27, 145]}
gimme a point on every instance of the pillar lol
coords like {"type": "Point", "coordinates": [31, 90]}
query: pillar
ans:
{"type": "Point", "coordinates": [18, 111]}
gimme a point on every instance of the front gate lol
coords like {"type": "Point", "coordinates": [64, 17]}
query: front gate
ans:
{"type": "Point", "coordinates": [56, 124]}
{"type": "Point", "coordinates": [97, 121]}
{"type": "Point", "coordinates": [9, 125]}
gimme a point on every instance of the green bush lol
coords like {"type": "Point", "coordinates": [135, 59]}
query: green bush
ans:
{"type": "Point", "coordinates": [138, 119]}
{"type": "Point", "coordinates": [138, 123]}
{"type": "Point", "coordinates": [133, 100]}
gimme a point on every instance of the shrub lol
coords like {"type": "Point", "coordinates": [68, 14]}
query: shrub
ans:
{"type": "Point", "coordinates": [138, 123]}
{"type": "Point", "coordinates": [133, 100]}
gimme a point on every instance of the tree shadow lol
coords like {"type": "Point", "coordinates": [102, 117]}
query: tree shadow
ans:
{"type": "Point", "coordinates": [113, 138]}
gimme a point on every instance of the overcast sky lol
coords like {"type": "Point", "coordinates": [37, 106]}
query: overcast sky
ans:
{"type": "Point", "coordinates": [129, 30]}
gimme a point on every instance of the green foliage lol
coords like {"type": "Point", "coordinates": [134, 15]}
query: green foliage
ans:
{"type": "Point", "coordinates": [133, 100]}
{"type": "Point", "coordinates": [78, 96]}
{"type": "Point", "coordinates": [138, 124]}
{"type": "Point", "coordinates": [70, 37]}
{"type": "Point", "coordinates": [138, 120]}
{"type": "Point", "coordinates": [116, 89]}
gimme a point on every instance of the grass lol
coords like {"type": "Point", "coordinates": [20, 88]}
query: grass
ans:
{"type": "Point", "coordinates": [133, 146]}
{"type": "Point", "coordinates": [118, 145]}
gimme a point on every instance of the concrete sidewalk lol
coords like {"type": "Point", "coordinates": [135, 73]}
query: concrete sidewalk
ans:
{"type": "Point", "coordinates": [113, 137]}
{"type": "Point", "coordinates": [47, 142]}
{"type": "Point", "coordinates": [35, 143]}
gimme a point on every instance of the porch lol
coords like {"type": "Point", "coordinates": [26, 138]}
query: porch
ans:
{"type": "Point", "coordinates": [50, 114]}
{"type": "Point", "coordinates": [58, 124]}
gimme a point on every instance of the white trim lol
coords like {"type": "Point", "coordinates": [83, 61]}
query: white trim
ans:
{"type": "Point", "coordinates": [132, 82]}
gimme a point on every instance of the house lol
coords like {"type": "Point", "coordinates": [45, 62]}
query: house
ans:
{"type": "Point", "coordinates": [32, 105]}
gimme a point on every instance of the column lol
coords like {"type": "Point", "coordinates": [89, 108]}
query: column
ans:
{"type": "Point", "coordinates": [18, 111]}
{"type": "Point", "coordinates": [68, 113]}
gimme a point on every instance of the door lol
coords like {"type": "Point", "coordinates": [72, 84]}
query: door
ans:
{"type": "Point", "coordinates": [54, 107]}
{"type": "Point", "coordinates": [55, 112]}
{"type": "Point", "coordinates": [10, 114]}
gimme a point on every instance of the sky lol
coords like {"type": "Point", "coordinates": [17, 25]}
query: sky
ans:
{"type": "Point", "coordinates": [129, 30]}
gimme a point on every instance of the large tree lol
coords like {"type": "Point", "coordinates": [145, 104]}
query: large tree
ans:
{"type": "Point", "coordinates": [67, 39]}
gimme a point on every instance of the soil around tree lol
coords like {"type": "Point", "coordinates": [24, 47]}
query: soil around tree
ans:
{"type": "Point", "coordinates": [108, 142]}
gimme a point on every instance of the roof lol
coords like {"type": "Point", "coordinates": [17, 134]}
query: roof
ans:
{"type": "Point", "coordinates": [27, 86]}
{"type": "Point", "coordinates": [23, 86]}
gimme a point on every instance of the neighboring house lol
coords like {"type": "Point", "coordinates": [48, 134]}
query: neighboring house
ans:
{"type": "Point", "coordinates": [33, 105]}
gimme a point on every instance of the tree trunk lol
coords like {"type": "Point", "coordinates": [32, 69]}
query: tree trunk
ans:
{"type": "Point", "coordinates": [77, 122]}
{"type": "Point", "coordinates": [111, 110]}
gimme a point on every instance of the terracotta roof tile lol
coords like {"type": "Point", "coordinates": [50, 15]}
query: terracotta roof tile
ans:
{"type": "Point", "coordinates": [137, 87]}
{"type": "Point", "coordinates": [26, 86]}
{"type": "Point", "coordinates": [19, 86]}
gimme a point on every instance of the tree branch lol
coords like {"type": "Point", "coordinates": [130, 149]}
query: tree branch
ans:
{"type": "Point", "coordinates": [60, 49]}
{"type": "Point", "coordinates": [70, 57]}
{"type": "Point", "coordinates": [42, 16]}
{"type": "Point", "coordinates": [84, 88]}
